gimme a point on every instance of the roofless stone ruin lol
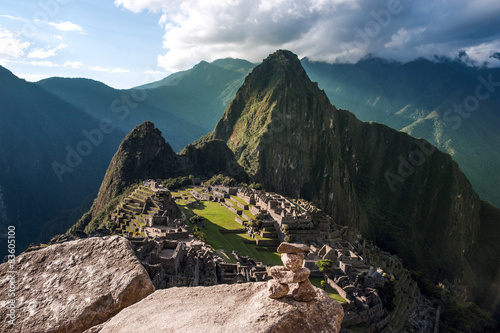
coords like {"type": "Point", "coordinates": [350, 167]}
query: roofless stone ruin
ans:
{"type": "Point", "coordinates": [293, 271]}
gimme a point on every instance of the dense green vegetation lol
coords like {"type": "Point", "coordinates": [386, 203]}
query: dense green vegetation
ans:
{"type": "Point", "coordinates": [220, 179]}
{"type": "Point", "coordinates": [325, 266]}
{"type": "Point", "coordinates": [458, 316]}
{"type": "Point", "coordinates": [178, 182]}
{"type": "Point", "coordinates": [417, 97]}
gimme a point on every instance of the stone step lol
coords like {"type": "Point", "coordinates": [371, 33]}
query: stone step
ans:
{"type": "Point", "coordinates": [146, 190]}
{"type": "Point", "coordinates": [130, 211]}
{"type": "Point", "coordinates": [132, 201]}
{"type": "Point", "coordinates": [269, 234]}
{"type": "Point", "coordinates": [139, 196]}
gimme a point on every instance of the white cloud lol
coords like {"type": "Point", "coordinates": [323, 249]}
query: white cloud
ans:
{"type": "Point", "coordinates": [43, 63]}
{"type": "Point", "coordinates": [73, 64]}
{"type": "Point", "coordinates": [109, 70]}
{"type": "Point", "coordinates": [10, 45]}
{"type": "Point", "coordinates": [12, 17]}
{"type": "Point", "coordinates": [58, 37]}
{"type": "Point", "coordinates": [66, 26]}
{"type": "Point", "coordinates": [326, 30]}
{"type": "Point", "coordinates": [139, 5]}
{"type": "Point", "coordinates": [481, 53]}
{"type": "Point", "coordinates": [402, 37]}
{"type": "Point", "coordinates": [46, 53]}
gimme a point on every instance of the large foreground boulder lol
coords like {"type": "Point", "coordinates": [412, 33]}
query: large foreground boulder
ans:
{"type": "Point", "coordinates": [226, 308]}
{"type": "Point", "coordinates": [72, 286]}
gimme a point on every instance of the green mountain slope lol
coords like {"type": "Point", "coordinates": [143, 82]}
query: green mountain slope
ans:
{"type": "Point", "coordinates": [184, 105]}
{"type": "Point", "coordinates": [409, 197]}
{"type": "Point", "coordinates": [430, 100]}
{"type": "Point", "coordinates": [125, 108]}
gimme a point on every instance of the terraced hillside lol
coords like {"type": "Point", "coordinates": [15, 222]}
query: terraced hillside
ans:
{"type": "Point", "coordinates": [132, 213]}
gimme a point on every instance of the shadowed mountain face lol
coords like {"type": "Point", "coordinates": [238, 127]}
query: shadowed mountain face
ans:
{"type": "Point", "coordinates": [452, 105]}
{"type": "Point", "coordinates": [52, 157]}
{"type": "Point", "coordinates": [409, 197]}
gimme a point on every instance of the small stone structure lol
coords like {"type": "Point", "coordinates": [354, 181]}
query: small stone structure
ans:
{"type": "Point", "coordinates": [293, 271]}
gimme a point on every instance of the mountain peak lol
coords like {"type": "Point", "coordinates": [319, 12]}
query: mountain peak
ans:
{"type": "Point", "coordinates": [276, 97]}
{"type": "Point", "coordinates": [282, 61]}
{"type": "Point", "coordinates": [283, 56]}
{"type": "Point", "coordinates": [143, 154]}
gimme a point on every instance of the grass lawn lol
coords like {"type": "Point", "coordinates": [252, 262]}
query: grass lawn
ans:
{"type": "Point", "coordinates": [240, 200]}
{"type": "Point", "coordinates": [331, 292]}
{"type": "Point", "coordinates": [219, 217]}
{"type": "Point", "coordinates": [247, 213]}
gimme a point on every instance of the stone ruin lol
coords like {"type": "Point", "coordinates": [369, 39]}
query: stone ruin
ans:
{"type": "Point", "coordinates": [293, 271]}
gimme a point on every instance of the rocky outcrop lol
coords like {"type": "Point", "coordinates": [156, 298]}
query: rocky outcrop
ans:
{"type": "Point", "coordinates": [72, 286]}
{"type": "Point", "coordinates": [226, 309]}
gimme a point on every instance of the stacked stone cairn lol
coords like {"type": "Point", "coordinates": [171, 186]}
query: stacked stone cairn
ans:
{"type": "Point", "coordinates": [292, 256]}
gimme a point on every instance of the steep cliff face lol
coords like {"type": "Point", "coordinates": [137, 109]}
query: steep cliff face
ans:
{"type": "Point", "coordinates": [143, 154]}
{"type": "Point", "coordinates": [400, 191]}
{"type": "Point", "coordinates": [210, 158]}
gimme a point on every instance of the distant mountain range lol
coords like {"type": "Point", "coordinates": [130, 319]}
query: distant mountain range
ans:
{"type": "Point", "coordinates": [185, 105]}
{"type": "Point", "coordinates": [42, 119]}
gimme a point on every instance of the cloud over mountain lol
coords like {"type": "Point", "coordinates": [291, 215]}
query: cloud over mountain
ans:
{"type": "Point", "coordinates": [326, 30]}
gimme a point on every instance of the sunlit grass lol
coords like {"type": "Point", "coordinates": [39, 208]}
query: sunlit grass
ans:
{"type": "Point", "coordinates": [331, 292]}
{"type": "Point", "coordinates": [219, 217]}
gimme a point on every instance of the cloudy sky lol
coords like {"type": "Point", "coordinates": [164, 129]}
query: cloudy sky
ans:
{"type": "Point", "coordinates": [125, 43]}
